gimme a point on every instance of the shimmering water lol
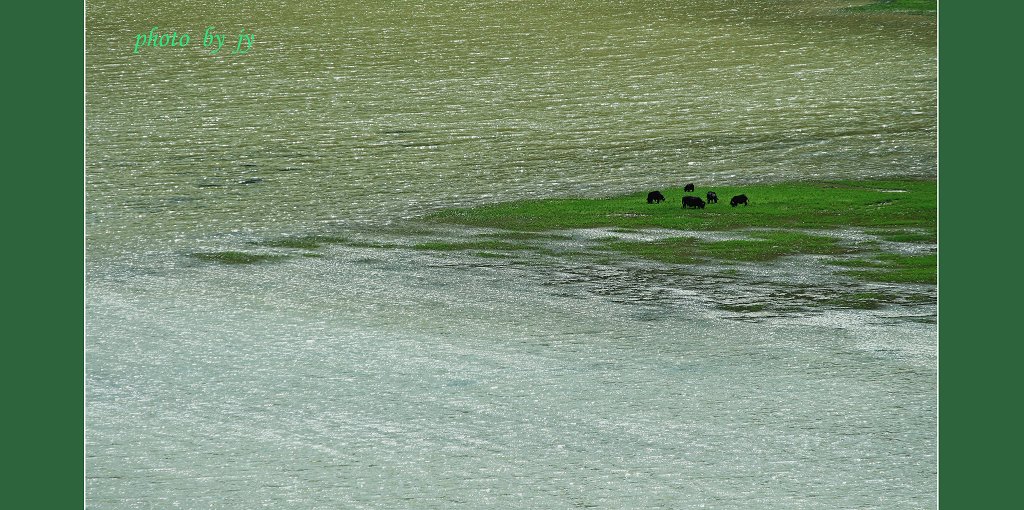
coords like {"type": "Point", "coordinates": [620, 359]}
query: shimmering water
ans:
{"type": "Point", "coordinates": [395, 378]}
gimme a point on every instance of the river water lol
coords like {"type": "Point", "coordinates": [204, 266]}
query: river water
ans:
{"type": "Point", "coordinates": [378, 376]}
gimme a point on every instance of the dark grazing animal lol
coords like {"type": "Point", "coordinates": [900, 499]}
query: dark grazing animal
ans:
{"type": "Point", "coordinates": [738, 199]}
{"type": "Point", "coordinates": [692, 201]}
{"type": "Point", "coordinates": [688, 187]}
{"type": "Point", "coordinates": [712, 197]}
{"type": "Point", "coordinates": [654, 197]}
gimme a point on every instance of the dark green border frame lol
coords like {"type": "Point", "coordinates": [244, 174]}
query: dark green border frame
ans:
{"type": "Point", "coordinates": [979, 124]}
{"type": "Point", "coordinates": [979, 258]}
{"type": "Point", "coordinates": [44, 217]}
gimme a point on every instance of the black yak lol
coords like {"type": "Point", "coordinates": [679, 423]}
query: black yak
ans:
{"type": "Point", "coordinates": [712, 197]}
{"type": "Point", "coordinates": [688, 187]}
{"type": "Point", "coordinates": [654, 197]}
{"type": "Point", "coordinates": [738, 199]}
{"type": "Point", "coordinates": [691, 201]}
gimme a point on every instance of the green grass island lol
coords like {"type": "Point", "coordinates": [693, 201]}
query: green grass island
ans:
{"type": "Point", "coordinates": [783, 219]}
{"type": "Point", "coordinates": [869, 230]}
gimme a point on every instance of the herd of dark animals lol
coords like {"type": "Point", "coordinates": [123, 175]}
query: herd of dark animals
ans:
{"type": "Point", "coordinates": [655, 197]}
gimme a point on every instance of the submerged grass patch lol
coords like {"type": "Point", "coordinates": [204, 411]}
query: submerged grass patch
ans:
{"type": "Point", "coordinates": [772, 245]}
{"type": "Point", "coordinates": [471, 245]}
{"type": "Point", "coordinates": [860, 300]}
{"type": "Point", "coordinates": [236, 257]}
{"type": "Point", "coordinates": [675, 250]}
{"type": "Point", "coordinates": [744, 307]}
{"type": "Point", "coordinates": [894, 268]}
{"type": "Point", "coordinates": [917, 6]}
{"type": "Point", "coordinates": [764, 246]}
{"type": "Point", "coordinates": [524, 236]}
{"type": "Point", "coordinates": [310, 242]}
{"type": "Point", "coordinates": [903, 236]}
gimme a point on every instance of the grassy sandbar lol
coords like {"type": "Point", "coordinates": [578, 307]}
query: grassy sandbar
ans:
{"type": "Point", "coordinates": [782, 219]}
{"type": "Point", "coordinates": [890, 204]}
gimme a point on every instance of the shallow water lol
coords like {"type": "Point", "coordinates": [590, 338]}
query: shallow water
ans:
{"type": "Point", "coordinates": [394, 377]}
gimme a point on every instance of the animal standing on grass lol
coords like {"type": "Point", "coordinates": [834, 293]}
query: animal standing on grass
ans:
{"type": "Point", "coordinates": [692, 201]}
{"type": "Point", "coordinates": [655, 197]}
{"type": "Point", "coordinates": [688, 187]}
{"type": "Point", "coordinates": [738, 199]}
{"type": "Point", "coordinates": [712, 197]}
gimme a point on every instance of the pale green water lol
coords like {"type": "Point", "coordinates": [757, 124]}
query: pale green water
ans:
{"type": "Point", "coordinates": [392, 378]}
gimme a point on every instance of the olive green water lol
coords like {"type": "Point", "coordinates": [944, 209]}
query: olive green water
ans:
{"type": "Point", "coordinates": [398, 378]}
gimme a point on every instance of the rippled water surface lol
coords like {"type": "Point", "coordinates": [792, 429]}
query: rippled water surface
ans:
{"type": "Point", "coordinates": [371, 374]}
